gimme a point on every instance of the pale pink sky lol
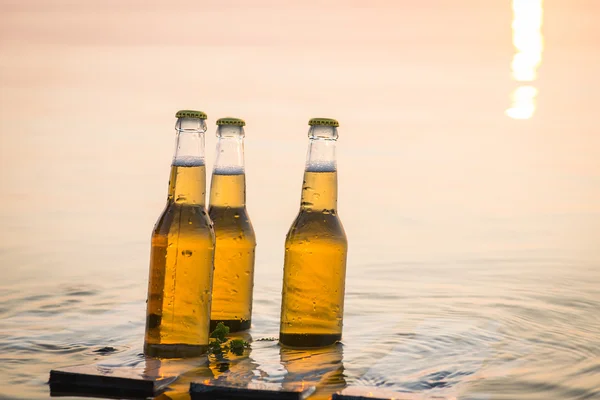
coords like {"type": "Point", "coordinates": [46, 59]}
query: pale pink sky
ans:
{"type": "Point", "coordinates": [88, 91]}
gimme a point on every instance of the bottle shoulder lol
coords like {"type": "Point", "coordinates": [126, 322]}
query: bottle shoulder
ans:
{"type": "Point", "coordinates": [232, 222]}
{"type": "Point", "coordinates": [184, 219]}
{"type": "Point", "coordinates": [317, 225]}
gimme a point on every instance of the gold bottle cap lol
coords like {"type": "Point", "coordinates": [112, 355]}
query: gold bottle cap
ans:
{"type": "Point", "coordinates": [323, 121]}
{"type": "Point", "coordinates": [231, 121]}
{"type": "Point", "coordinates": [190, 114]}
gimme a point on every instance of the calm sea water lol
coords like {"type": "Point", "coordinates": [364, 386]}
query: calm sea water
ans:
{"type": "Point", "coordinates": [469, 183]}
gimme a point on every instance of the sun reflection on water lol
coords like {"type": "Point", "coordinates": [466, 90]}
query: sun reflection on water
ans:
{"type": "Point", "coordinates": [529, 44]}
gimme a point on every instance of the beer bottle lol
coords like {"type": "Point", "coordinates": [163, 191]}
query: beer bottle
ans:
{"type": "Point", "coordinates": [315, 250]}
{"type": "Point", "coordinates": [234, 256]}
{"type": "Point", "coordinates": [181, 261]}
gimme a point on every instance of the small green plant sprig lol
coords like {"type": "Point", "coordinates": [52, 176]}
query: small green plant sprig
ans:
{"type": "Point", "coordinates": [218, 338]}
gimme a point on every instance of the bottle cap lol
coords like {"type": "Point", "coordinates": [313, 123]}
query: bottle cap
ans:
{"type": "Point", "coordinates": [323, 121]}
{"type": "Point", "coordinates": [231, 121]}
{"type": "Point", "coordinates": [190, 114]}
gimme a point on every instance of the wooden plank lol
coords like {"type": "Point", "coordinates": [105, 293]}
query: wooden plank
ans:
{"type": "Point", "coordinates": [252, 390]}
{"type": "Point", "coordinates": [370, 393]}
{"type": "Point", "coordinates": [120, 378]}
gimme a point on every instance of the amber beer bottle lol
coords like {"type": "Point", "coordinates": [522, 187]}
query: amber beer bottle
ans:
{"type": "Point", "coordinates": [315, 250]}
{"type": "Point", "coordinates": [234, 256]}
{"type": "Point", "coordinates": [181, 260]}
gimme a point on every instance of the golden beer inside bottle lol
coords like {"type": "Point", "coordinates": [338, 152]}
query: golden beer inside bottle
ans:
{"type": "Point", "coordinates": [314, 267]}
{"type": "Point", "coordinates": [181, 264]}
{"type": "Point", "coordinates": [234, 256]}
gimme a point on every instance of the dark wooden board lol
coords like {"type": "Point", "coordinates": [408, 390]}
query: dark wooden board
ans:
{"type": "Point", "coordinates": [253, 390]}
{"type": "Point", "coordinates": [371, 393]}
{"type": "Point", "coordinates": [112, 382]}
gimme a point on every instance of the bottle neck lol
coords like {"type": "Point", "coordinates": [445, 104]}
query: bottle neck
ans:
{"type": "Point", "coordinates": [187, 184]}
{"type": "Point", "coordinates": [319, 189]}
{"type": "Point", "coordinates": [228, 185]}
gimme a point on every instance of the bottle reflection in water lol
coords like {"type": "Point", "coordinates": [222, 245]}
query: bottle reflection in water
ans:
{"type": "Point", "coordinates": [322, 368]}
{"type": "Point", "coordinates": [181, 261]}
{"type": "Point", "coordinates": [315, 251]}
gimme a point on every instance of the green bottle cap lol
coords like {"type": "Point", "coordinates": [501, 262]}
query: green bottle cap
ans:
{"type": "Point", "coordinates": [231, 121]}
{"type": "Point", "coordinates": [190, 114]}
{"type": "Point", "coordinates": [323, 121]}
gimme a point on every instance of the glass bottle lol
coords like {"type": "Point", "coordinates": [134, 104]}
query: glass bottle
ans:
{"type": "Point", "coordinates": [315, 250]}
{"type": "Point", "coordinates": [181, 261]}
{"type": "Point", "coordinates": [234, 256]}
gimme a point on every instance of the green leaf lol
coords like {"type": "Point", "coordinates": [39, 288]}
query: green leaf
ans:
{"type": "Point", "coordinates": [237, 346]}
{"type": "Point", "coordinates": [220, 333]}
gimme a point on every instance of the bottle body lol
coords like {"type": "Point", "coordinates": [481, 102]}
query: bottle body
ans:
{"type": "Point", "coordinates": [233, 281]}
{"type": "Point", "coordinates": [315, 258]}
{"type": "Point", "coordinates": [181, 266]}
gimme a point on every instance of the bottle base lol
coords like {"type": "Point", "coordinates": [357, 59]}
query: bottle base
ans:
{"type": "Point", "coordinates": [308, 340]}
{"type": "Point", "coordinates": [174, 350]}
{"type": "Point", "coordinates": [235, 325]}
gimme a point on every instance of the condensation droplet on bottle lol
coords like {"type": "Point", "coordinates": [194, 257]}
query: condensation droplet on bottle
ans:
{"type": "Point", "coordinates": [186, 253]}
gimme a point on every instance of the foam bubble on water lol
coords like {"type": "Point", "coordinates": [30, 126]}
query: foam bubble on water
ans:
{"type": "Point", "coordinates": [188, 161]}
{"type": "Point", "coordinates": [229, 170]}
{"type": "Point", "coordinates": [323, 166]}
